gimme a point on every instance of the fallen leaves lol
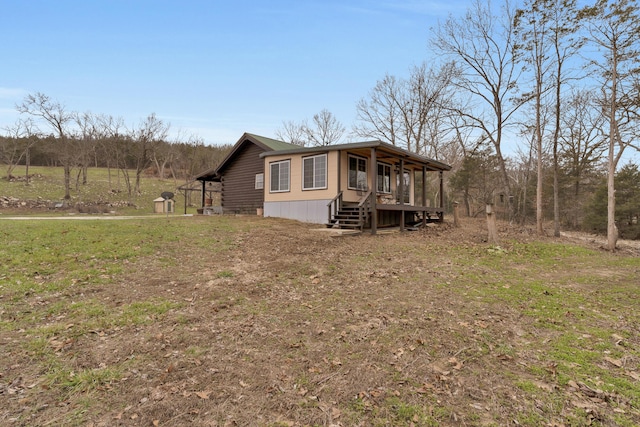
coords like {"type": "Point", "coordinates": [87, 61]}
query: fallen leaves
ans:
{"type": "Point", "coordinates": [455, 363]}
{"type": "Point", "coordinates": [203, 394]}
{"type": "Point", "coordinates": [615, 362]}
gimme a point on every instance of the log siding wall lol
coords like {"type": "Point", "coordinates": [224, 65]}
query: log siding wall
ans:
{"type": "Point", "coordinates": [241, 196]}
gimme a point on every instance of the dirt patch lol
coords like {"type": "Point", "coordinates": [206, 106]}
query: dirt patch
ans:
{"type": "Point", "coordinates": [594, 240]}
{"type": "Point", "coordinates": [293, 326]}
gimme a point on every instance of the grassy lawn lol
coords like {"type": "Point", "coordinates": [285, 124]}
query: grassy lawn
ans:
{"type": "Point", "coordinates": [253, 321]}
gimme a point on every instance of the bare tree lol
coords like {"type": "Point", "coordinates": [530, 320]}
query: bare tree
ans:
{"type": "Point", "coordinates": [475, 180]}
{"type": "Point", "coordinates": [86, 136]}
{"type": "Point", "coordinates": [294, 133]}
{"type": "Point", "coordinates": [115, 144]}
{"type": "Point", "coordinates": [145, 139]}
{"type": "Point", "coordinates": [533, 27]}
{"type": "Point", "coordinates": [482, 46]}
{"type": "Point", "coordinates": [582, 146]}
{"type": "Point", "coordinates": [409, 113]}
{"type": "Point", "coordinates": [379, 116]}
{"type": "Point", "coordinates": [546, 30]}
{"type": "Point", "coordinates": [564, 22]}
{"type": "Point", "coordinates": [615, 29]}
{"type": "Point", "coordinates": [55, 116]}
{"type": "Point", "coordinates": [326, 129]}
{"type": "Point", "coordinates": [436, 92]}
{"type": "Point", "coordinates": [17, 145]}
{"type": "Point", "coordinates": [165, 156]}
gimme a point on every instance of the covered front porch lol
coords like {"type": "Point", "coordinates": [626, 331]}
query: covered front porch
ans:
{"type": "Point", "coordinates": [385, 186]}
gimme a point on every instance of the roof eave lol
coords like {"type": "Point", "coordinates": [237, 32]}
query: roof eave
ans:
{"type": "Point", "coordinates": [215, 173]}
{"type": "Point", "coordinates": [366, 144]}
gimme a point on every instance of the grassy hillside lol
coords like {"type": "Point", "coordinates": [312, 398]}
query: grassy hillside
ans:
{"type": "Point", "coordinates": [47, 184]}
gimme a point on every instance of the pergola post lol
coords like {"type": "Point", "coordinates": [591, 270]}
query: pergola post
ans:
{"type": "Point", "coordinates": [204, 184]}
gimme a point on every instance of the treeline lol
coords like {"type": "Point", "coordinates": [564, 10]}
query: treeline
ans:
{"type": "Point", "coordinates": [535, 105]}
{"type": "Point", "coordinates": [48, 135]}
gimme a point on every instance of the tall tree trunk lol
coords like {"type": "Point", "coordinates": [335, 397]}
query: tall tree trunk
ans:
{"type": "Point", "coordinates": [67, 181]}
{"type": "Point", "coordinates": [539, 212]}
{"type": "Point", "coordinates": [109, 173]}
{"type": "Point", "coordinates": [612, 230]}
{"type": "Point", "coordinates": [556, 137]}
{"type": "Point", "coordinates": [526, 185]}
{"type": "Point", "coordinates": [27, 163]}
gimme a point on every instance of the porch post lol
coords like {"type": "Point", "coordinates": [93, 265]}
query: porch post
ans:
{"type": "Point", "coordinates": [339, 174]}
{"type": "Point", "coordinates": [442, 195]}
{"type": "Point", "coordinates": [374, 188]}
{"type": "Point", "coordinates": [424, 194]}
{"type": "Point", "coordinates": [401, 191]}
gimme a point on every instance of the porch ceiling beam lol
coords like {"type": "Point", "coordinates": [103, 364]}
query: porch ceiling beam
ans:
{"type": "Point", "coordinates": [392, 158]}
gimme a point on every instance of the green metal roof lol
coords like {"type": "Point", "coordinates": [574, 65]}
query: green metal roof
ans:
{"type": "Point", "coordinates": [274, 144]}
{"type": "Point", "coordinates": [268, 144]}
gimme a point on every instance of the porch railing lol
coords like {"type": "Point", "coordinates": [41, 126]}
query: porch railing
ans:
{"type": "Point", "coordinates": [364, 208]}
{"type": "Point", "coordinates": [335, 205]}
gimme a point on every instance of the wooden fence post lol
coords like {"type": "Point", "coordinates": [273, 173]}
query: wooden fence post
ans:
{"type": "Point", "coordinates": [491, 225]}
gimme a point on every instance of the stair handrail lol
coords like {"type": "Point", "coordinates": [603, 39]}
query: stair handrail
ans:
{"type": "Point", "coordinates": [335, 205]}
{"type": "Point", "coordinates": [365, 203]}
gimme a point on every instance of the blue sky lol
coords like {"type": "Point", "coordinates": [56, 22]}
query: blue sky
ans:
{"type": "Point", "coordinates": [210, 68]}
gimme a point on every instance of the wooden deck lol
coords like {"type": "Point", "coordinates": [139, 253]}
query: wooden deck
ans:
{"type": "Point", "coordinates": [405, 215]}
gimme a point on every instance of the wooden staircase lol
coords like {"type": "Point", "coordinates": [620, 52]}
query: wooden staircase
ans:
{"type": "Point", "coordinates": [350, 215]}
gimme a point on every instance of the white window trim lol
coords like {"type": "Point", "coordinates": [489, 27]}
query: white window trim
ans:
{"type": "Point", "coordinates": [384, 165]}
{"type": "Point", "coordinates": [288, 162]}
{"type": "Point", "coordinates": [259, 184]}
{"type": "Point", "coordinates": [366, 172]}
{"type": "Point", "coordinates": [314, 169]}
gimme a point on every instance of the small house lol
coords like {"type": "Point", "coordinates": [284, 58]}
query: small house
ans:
{"type": "Point", "coordinates": [356, 185]}
{"type": "Point", "coordinates": [241, 174]}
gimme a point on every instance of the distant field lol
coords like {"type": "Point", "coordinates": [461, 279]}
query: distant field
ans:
{"type": "Point", "coordinates": [47, 183]}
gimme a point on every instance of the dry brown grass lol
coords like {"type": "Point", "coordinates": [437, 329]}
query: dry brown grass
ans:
{"type": "Point", "coordinates": [290, 326]}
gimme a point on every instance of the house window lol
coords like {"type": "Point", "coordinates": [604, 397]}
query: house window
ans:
{"type": "Point", "coordinates": [314, 172]}
{"type": "Point", "coordinates": [259, 181]}
{"type": "Point", "coordinates": [406, 186]}
{"type": "Point", "coordinates": [384, 178]}
{"type": "Point", "coordinates": [357, 173]}
{"type": "Point", "coordinates": [280, 176]}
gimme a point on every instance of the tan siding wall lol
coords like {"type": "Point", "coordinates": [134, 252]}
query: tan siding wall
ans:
{"type": "Point", "coordinates": [295, 185]}
{"type": "Point", "coordinates": [352, 195]}
{"type": "Point", "coordinates": [296, 192]}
